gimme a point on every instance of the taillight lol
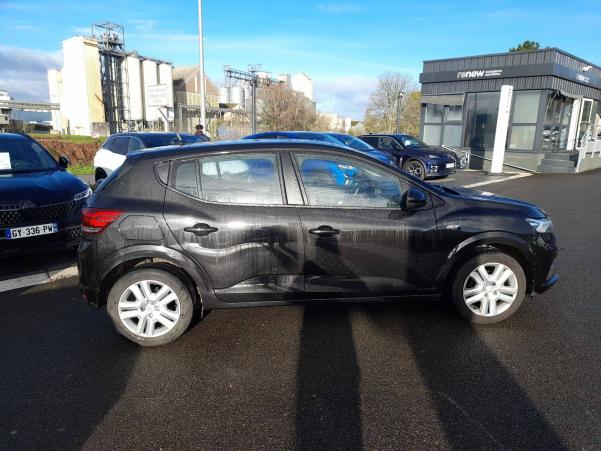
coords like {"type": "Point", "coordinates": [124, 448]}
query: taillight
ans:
{"type": "Point", "coordinates": [95, 220]}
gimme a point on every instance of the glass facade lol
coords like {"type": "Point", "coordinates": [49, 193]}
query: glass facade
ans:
{"type": "Point", "coordinates": [443, 125]}
{"type": "Point", "coordinates": [481, 119]}
{"type": "Point", "coordinates": [556, 125]}
{"type": "Point", "coordinates": [524, 117]}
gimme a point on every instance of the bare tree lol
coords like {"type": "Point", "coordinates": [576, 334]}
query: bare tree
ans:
{"type": "Point", "coordinates": [280, 108]}
{"type": "Point", "coordinates": [381, 112]}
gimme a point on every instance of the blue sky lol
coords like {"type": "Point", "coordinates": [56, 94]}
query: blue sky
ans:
{"type": "Point", "coordinates": [343, 46]}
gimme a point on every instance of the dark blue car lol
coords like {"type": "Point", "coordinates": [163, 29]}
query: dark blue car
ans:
{"type": "Point", "coordinates": [339, 139]}
{"type": "Point", "coordinates": [415, 156]}
{"type": "Point", "coordinates": [40, 202]}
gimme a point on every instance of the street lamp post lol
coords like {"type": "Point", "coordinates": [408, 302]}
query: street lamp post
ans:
{"type": "Point", "coordinates": [398, 112]}
{"type": "Point", "coordinates": [201, 68]}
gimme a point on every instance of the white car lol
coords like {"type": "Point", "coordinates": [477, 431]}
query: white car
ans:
{"type": "Point", "coordinates": [114, 150]}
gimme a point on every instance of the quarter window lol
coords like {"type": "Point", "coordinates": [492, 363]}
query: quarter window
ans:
{"type": "Point", "coordinates": [341, 182]}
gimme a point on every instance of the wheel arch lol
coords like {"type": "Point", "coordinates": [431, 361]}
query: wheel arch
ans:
{"type": "Point", "coordinates": [159, 257]}
{"type": "Point", "coordinates": [508, 244]}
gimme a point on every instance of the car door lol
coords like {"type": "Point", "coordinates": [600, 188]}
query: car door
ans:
{"type": "Point", "coordinates": [229, 214]}
{"type": "Point", "coordinates": [390, 145]}
{"type": "Point", "coordinates": [358, 241]}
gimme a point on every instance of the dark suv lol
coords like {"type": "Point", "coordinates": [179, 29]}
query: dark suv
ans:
{"type": "Point", "coordinates": [258, 223]}
{"type": "Point", "coordinates": [40, 202]}
{"type": "Point", "coordinates": [415, 156]}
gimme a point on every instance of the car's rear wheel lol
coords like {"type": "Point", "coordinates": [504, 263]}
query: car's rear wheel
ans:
{"type": "Point", "coordinates": [488, 288]}
{"type": "Point", "coordinates": [415, 168]}
{"type": "Point", "coordinates": [150, 306]}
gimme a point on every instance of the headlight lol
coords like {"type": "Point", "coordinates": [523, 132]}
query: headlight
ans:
{"type": "Point", "coordinates": [83, 194]}
{"type": "Point", "coordinates": [544, 225]}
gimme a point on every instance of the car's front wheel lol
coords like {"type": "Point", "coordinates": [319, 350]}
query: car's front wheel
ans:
{"type": "Point", "coordinates": [488, 288]}
{"type": "Point", "coordinates": [415, 168]}
{"type": "Point", "coordinates": [150, 306]}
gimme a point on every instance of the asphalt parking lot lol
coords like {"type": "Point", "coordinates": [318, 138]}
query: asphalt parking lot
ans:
{"type": "Point", "coordinates": [363, 376]}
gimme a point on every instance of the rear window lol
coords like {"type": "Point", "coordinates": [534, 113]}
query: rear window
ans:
{"type": "Point", "coordinates": [168, 139]}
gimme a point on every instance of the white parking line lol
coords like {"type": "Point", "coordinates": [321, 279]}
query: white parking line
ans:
{"type": "Point", "coordinates": [38, 278]}
{"type": "Point", "coordinates": [505, 179]}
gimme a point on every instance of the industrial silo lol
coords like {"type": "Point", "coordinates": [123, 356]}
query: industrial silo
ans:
{"type": "Point", "coordinates": [237, 95]}
{"type": "Point", "coordinates": [248, 98]}
{"type": "Point", "coordinates": [133, 85]}
{"type": "Point", "coordinates": [166, 78]}
{"type": "Point", "coordinates": [224, 95]}
{"type": "Point", "coordinates": [150, 77]}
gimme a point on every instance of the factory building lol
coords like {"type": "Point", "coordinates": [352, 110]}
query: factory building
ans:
{"type": "Point", "coordinates": [4, 112]}
{"type": "Point", "coordinates": [103, 89]}
{"type": "Point", "coordinates": [298, 82]}
{"type": "Point", "coordinates": [186, 86]}
{"type": "Point", "coordinates": [539, 107]}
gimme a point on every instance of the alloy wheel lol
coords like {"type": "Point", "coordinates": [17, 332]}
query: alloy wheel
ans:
{"type": "Point", "coordinates": [149, 308]}
{"type": "Point", "coordinates": [490, 289]}
{"type": "Point", "coordinates": [415, 169]}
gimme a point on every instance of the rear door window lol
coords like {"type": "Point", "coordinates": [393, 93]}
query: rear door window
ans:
{"type": "Point", "coordinates": [233, 179]}
{"type": "Point", "coordinates": [120, 145]}
{"type": "Point", "coordinates": [371, 140]}
{"type": "Point", "coordinates": [135, 144]}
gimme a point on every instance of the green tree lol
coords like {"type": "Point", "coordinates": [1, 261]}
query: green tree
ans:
{"type": "Point", "coordinates": [526, 46]}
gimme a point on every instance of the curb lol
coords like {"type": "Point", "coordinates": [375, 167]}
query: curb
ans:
{"type": "Point", "coordinates": [50, 275]}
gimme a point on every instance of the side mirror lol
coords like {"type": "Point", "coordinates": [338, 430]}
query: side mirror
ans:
{"type": "Point", "coordinates": [63, 162]}
{"type": "Point", "coordinates": [413, 199]}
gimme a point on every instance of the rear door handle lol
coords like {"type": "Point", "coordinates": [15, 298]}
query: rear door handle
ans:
{"type": "Point", "coordinates": [324, 230]}
{"type": "Point", "coordinates": [201, 229]}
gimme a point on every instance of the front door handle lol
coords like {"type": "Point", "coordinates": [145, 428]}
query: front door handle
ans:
{"type": "Point", "coordinates": [324, 230]}
{"type": "Point", "coordinates": [201, 229]}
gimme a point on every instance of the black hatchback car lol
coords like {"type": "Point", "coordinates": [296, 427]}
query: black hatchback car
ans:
{"type": "Point", "coordinates": [258, 223]}
{"type": "Point", "coordinates": [40, 202]}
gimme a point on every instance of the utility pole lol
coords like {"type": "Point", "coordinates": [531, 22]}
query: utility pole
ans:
{"type": "Point", "coordinates": [398, 111]}
{"type": "Point", "coordinates": [201, 68]}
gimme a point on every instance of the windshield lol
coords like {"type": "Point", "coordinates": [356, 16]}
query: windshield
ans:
{"type": "Point", "coordinates": [168, 139]}
{"type": "Point", "coordinates": [411, 142]}
{"type": "Point", "coordinates": [23, 155]}
{"type": "Point", "coordinates": [353, 142]}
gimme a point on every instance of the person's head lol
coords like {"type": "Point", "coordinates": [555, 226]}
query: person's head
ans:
{"type": "Point", "coordinates": [199, 128]}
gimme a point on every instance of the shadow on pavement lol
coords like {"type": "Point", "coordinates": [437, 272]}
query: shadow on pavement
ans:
{"type": "Point", "coordinates": [478, 402]}
{"type": "Point", "coordinates": [328, 404]}
{"type": "Point", "coordinates": [63, 367]}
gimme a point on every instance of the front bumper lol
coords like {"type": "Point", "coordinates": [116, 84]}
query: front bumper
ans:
{"type": "Point", "coordinates": [552, 279]}
{"type": "Point", "coordinates": [67, 237]}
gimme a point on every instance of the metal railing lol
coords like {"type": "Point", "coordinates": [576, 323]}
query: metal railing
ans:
{"type": "Point", "coordinates": [469, 155]}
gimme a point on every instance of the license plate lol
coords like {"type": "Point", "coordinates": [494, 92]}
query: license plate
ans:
{"type": "Point", "coordinates": [26, 232]}
{"type": "Point", "coordinates": [450, 165]}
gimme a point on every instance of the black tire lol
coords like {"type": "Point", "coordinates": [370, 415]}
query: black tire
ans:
{"type": "Point", "coordinates": [461, 277]}
{"type": "Point", "coordinates": [99, 176]}
{"type": "Point", "coordinates": [416, 168]}
{"type": "Point", "coordinates": [186, 304]}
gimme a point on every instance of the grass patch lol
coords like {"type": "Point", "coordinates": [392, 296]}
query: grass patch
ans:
{"type": "Point", "coordinates": [81, 169]}
{"type": "Point", "coordinates": [69, 138]}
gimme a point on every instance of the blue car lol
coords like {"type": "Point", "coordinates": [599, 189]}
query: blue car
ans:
{"type": "Point", "coordinates": [339, 139]}
{"type": "Point", "coordinates": [40, 202]}
{"type": "Point", "coordinates": [415, 156]}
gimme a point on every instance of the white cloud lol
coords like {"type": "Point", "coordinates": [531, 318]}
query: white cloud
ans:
{"type": "Point", "coordinates": [346, 96]}
{"type": "Point", "coordinates": [338, 8]}
{"type": "Point", "coordinates": [23, 71]}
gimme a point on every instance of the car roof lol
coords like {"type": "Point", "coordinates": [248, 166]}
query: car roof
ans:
{"type": "Point", "coordinates": [13, 136]}
{"type": "Point", "coordinates": [177, 151]}
{"type": "Point", "coordinates": [392, 135]}
{"type": "Point", "coordinates": [145, 134]}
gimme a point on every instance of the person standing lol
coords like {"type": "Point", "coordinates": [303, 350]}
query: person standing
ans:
{"type": "Point", "coordinates": [201, 134]}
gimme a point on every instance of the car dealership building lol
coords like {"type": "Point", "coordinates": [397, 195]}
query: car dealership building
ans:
{"type": "Point", "coordinates": [548, 108]}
